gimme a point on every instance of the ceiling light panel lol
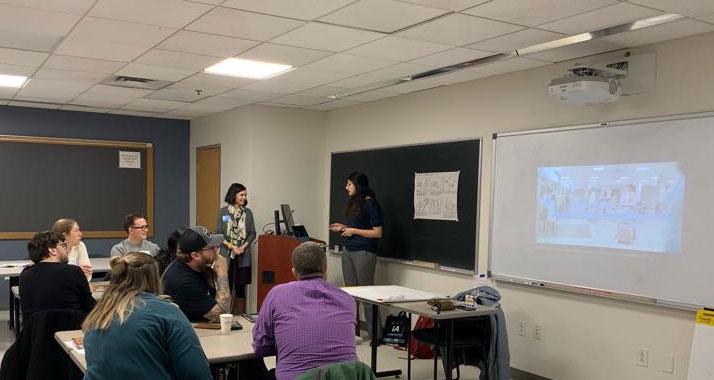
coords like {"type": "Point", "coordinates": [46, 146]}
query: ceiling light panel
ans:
{"type": "Point", "coordinates": [12, 81]}
{"type": "Point", "coordinates": [244, 68]}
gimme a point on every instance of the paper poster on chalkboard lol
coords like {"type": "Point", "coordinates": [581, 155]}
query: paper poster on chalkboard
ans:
{"type": "Point", "coordinates": [435, 196]}
{"type": "Point", "coordinates": [129, 160]}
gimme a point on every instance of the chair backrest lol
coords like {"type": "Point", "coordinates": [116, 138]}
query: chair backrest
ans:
{"type": "Point", "coordinates": [347, 370]}
{"type": "Point", "coordinates": [45, 357]}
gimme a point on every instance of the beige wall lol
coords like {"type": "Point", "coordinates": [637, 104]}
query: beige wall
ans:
{"type": "Point", "coordinates": [277, 153]}
{"type": "Point", "coordinates": [584, 337]}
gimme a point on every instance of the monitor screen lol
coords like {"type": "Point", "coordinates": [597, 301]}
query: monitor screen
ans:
{"type": "Point", "coordinates": [287, 218]}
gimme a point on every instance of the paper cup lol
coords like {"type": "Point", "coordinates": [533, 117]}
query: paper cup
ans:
{"type": "Point", "coordinates": [226, 320]}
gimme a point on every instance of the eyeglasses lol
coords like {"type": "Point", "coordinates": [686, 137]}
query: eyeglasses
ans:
{"type": "Point", "coordinates": [140, 227]}
{"type": "Point", "coordinates": [62, 244]}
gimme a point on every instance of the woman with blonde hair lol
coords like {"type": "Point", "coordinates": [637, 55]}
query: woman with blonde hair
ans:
{"type": "Point", "coordinates": [76, 250]}
{"type": "Point", "coordinates": [133, 333]}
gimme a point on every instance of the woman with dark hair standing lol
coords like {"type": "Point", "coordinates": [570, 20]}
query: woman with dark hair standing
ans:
{"type": "Point", "coordinates": [236, 223]}
{"type": "Point", "coordinates": [363, 229]}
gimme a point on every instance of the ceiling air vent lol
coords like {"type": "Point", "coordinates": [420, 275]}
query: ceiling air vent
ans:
{"type": "Point", "coordinates": [134, 82]}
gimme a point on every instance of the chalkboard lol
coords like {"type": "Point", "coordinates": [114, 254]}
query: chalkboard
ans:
{"type": "Point", "coordinates": [45, 179]}
{"type": "Point", "coordinates": [391, 173]}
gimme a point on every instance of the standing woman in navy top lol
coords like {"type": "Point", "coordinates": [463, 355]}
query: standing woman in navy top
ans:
{"type": "Point", "coordinates": [363, 229]}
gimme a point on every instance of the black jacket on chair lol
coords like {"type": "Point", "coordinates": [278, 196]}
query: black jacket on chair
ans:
{"type": "Point", "coordinates": [36, 355]}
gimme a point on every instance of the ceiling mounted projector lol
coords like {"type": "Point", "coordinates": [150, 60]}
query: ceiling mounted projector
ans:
{"type": "Point", "coordinates": [588, 84]}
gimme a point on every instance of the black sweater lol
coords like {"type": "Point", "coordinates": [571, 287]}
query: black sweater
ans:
{"type": "Point", "coordinates": [47, 285]}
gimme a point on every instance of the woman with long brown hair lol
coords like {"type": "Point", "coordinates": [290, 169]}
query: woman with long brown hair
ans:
{"type": "Point", "coordinates": [76, 250]}
{"type": "Point", "coordinates": [134, 333]}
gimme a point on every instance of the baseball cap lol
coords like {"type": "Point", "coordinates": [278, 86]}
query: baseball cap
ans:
{"type": "Point", "coordinates": [196, 238]}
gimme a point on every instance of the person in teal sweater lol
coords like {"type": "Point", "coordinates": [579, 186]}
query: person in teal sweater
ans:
{"type": "Point", "coordinates": [133, 333]}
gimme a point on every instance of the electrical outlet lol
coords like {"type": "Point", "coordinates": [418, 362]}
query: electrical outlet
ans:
{"type": "Point", "coordinates": [666, 363]}
{"type": "Point", "coordinates": [522, 328]}
{"type": "Point", "coordinates": [537, 332]}
{"type": "Point", "coordinates": [642, 358]}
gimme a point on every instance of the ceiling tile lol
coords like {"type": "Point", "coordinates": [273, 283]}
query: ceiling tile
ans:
{"type": "Point", "coordinates": [192, 113]}
{"type": "Point", "coordinates": [455, 77]}
{"type": "Point", "coordinates": [179, 94]}
{"type": "Point", "coordinates": [177, 117]}
{"type": "Point", "coordinates": [69, 76]}
{"type": "Point", "coordinates": [517, 40]}
{"type": "Point", "coordinates": [22, 57]}
{"type": "Point", "coordinates": [385, 16]}
{"type": "Point", "coordinates": [216, 81]}
{"type": "Point", "coordinates": [271, 104]}
{"type": "Point", "coordinates": [7, 92]}
{"type": "Point", "coordinates": [58, 90]}
{"type": "Point", "coordinates": [134, 113]}
{"type": "Point", "coordinates": [36, 21]}
{"type": "Point", "coordinates": [398, 48]}
{"type": "Point", "coordinates": [371, 96]}
{"type": "Point", "coordinates": [322, 91]}
{"type": "Point", "coordinates": [155, 72]}
{"type": "Point", "coordinates": [602, 18]}
{"type": "Point", "coordinates": [326, 37]}
{"type": "Point", "coordinates": [311, 77]}
{"type": "Point", "coordinates": [459, 29]}
{"type": "Point", "coordinates": [411, 86]}
{"type": "Point", "coordinates": [242, 24]}
{"type": "Point", "coordinates": [171, 13]}
{"type": "Point", "coordinates": [288, 55]}
{"type": "Point", "coordinates": [451, 5]}
{"type": "Point", "coordinates": [535, 12]}
{"type": "Point", "coordinates": [204, 108]}
{"type": "Point", "coordinates": [451, 57]}
{"type": "Point", "coordinates": [335, 104]}
{"type": "Point", "coordinates": [578, 50]}
{"type": "Point", "coordinates": [153, 105]}
{"type": "Point", "coordinates": [241, 93]}
{"type": "Point", "coordinates": [300, 100]}
{"type": "Point", "coordinates": [277, 86]}
{"type": "Point", "coordinates": [28, 40]}
{"type": "Point", "coordinates": [55, 99]}
{"type": "Point", "coordinates": [105, 90]}
{"type": "Point", "coordinates": [707, 18]}
{"type": "Point", "coordinates": [99, 66]}
{"type": "Point", "coordinates": [85, 109]}
{"type": "Point", "coordinates": [659, 33]}
{"type": "Point", "coordinates": [682, 7]}
{"type": "Point", "coordinates": [112, 40]}
{"type": "Point", "coordinates": [16, 70]}
{"type": "Point", "coordinates": [177, 60]}
{"type": "Point", "coordinates": [389, 73]}
{"type": "Point", "coordinates": [104, 101]}
{"type": "Point", "coordinates": [206, 44]}
{"type": "Point", "coordinates": [300, 9]}
{"type": "Point", "coordinates": [224, 102]}
{"type": "Point", "coordinates": [348, 64]}
{"type": "Point", "coordinates": [76, 7]}
{"type": "Point", "coordinates": [205, 90]}
{"type": "Point", "coordinates": [35, 105]}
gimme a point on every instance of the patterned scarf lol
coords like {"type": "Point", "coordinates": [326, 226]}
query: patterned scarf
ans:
{"type": "Point", "coordinates": [236, 225]}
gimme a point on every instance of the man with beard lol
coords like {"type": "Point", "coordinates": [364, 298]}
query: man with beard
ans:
{"type": "Point", "coordinates": [197, 280]}
{"type": "Point", "coordinates": [51, 283]}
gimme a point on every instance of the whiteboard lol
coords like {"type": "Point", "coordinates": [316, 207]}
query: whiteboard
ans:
{"type": "Point", "coordinates": [622, 209]}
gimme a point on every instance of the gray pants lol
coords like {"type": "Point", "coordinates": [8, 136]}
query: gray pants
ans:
{"type": "Point", "coordinates": [358, 270]}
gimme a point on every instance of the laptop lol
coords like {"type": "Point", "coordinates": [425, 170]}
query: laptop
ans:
{"type": "Point", "coordinates": [301, 232]}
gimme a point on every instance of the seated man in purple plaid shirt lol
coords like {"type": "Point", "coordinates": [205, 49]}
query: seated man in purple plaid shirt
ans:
{"type": "Point", "coordinates": [308, 323]}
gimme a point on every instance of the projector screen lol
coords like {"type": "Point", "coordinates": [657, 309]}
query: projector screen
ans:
{"type": "Point", "coordinates": [620, 209]}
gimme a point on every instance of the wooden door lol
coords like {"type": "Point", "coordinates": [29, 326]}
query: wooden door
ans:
{"type": "Point", "coordinates": [208, 185]}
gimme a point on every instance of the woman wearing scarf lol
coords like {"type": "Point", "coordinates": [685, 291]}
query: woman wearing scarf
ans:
{"type": "Point", "coordinates": [235, 222]}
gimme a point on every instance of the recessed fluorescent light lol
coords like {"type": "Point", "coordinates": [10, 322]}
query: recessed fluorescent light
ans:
{"type": "Point", "coordinates": [652, 21]}
{"type": "Point", "coordinates": [556, 44]}
{"type": "Point", "coordinates": [245, 68]}
{"type": "Point", "coordinates": [14, 81]}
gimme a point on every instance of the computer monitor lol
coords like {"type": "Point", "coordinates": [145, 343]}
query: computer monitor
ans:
{"type": "Point", "coordinates": [288, 219]}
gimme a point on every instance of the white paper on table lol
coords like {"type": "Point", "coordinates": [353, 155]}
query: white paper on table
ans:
{"type": "Point", "coordinates": [129, 160]}
{"type": "Point", "coordinates": [436, 195]}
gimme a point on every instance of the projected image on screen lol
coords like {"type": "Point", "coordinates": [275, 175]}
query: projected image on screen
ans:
{"type": "Point", "coordinates": [626, 206]}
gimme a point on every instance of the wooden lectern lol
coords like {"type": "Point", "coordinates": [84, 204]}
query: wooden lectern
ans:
{"type": "Point", "coordinates": [274, 262]}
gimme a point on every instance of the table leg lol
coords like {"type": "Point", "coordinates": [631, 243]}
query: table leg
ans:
{"type": "Point", "coordinates": [449, 346]}
{"type": "Point", "coordinates": [436, 346]}
{"type": "Point", "coordinates": [375, 343]}
{"type": "Point", "coordinates": [409, 348]}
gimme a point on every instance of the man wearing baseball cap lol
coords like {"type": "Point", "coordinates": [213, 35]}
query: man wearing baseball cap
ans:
{"type": "Point", "coordinates": [197, 280]}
